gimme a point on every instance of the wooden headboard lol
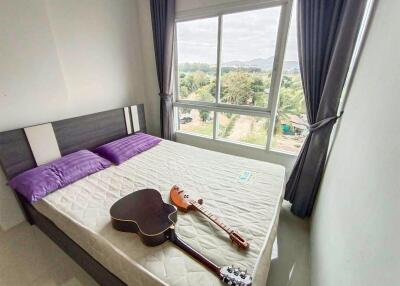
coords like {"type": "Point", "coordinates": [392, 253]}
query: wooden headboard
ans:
{"type": "Point", "coordinates": [83, 132]}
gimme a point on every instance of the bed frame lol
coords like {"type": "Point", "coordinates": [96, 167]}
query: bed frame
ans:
{"type": "Point", "coordinates": [84, 132]}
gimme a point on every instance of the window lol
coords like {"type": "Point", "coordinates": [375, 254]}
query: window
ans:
{"type": "Point", "coordinates": [291, 119]}
{"type": "Point", "coordinates": [246, 78]}
{"type": "Point", "coordinates": [234, 82]}
{"type": "Point", "coordinates": [197, 52]}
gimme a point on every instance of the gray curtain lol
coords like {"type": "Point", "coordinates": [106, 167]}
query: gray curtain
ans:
{"type": "Point", "coordinates": [327, 32]}
{"type": "Point", "coordinates": [163, 21]}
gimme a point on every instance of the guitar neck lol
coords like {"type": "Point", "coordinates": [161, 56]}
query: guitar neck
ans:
{"type": "Point", "coordinates": [211, 216]}
{"type": "Point", "coordinates": [192, 252]}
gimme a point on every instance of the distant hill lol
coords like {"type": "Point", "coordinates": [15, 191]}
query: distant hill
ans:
{"type": "Point", "coordinates": [264, 64]}
{"type": "Point", "coordinates": [291, 65]}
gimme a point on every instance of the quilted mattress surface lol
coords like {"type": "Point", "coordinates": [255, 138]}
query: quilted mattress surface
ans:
{"type": "Point", "coordinates": [246, 194]}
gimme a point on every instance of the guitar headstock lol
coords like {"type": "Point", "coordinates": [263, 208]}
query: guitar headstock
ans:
{"type": "Point", "coordinates": [181, 199]}
{"type": "Point", "coordinates": [235, 276]}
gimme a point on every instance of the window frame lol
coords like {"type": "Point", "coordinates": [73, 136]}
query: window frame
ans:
{"type": "Point", "coordinates": [270, 110]}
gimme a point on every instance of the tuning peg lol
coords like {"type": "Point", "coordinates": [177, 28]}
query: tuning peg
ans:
{"type": "Point", "coordinates": [236, 271]}
{"type": "Point", "coordinates": [230, 269]}
{"type": "Point", "coordinates": [243, 274]}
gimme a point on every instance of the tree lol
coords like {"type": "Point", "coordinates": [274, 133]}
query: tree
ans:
{"type": "Point", "coordinates": [200, 79]}
{"type": "Point", "coordinates": [187, 82]}
{"type": "Point", "coordinates": [184, 91]}
{"type": "Point", "coordinates": [291, 99]}
{"type": "Point", "coordinates": [204, 115]}
{"type": "Point", "coordinates": [197, 86]}
{"type": "Point", "coordinates": [242, 87]}
{"type": "Point", "coordinates": [236, 88]}
{"type": "Point", "coordinates": [204, 94]}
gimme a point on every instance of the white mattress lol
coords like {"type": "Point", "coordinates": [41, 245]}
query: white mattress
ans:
{"type": "Point", "coordinates": [251, 205]}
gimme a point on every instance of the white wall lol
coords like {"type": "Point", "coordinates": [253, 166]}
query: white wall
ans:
{"type": "Point", "coordinates": [153, 101]}
{"type": "Point", "coordinates": [60, 59]}
{"type": "Point", "coordinates": [355, 226]}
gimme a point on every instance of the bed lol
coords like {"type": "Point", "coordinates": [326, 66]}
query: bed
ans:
{"type": "Point", "coordinates": [77, 217]}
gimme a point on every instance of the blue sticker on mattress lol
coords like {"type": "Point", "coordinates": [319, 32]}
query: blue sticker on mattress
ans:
{"type": "Point", "coordinates": [245, 176]}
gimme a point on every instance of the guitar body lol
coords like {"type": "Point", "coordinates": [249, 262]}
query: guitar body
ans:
{"type": "Point", "coordinates": [145, 213]}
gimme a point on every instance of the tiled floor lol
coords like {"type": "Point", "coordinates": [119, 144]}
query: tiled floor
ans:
{"type": "Point", "coordinates": [28, 257]}
{"type": "Point", "coordinates": [290, 265]}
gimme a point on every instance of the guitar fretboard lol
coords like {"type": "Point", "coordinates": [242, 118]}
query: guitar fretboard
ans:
{"type": "Point", "coordinates": [211, 216]}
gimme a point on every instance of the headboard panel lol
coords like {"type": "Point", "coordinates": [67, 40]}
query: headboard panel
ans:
{"type": "Point", "coordinates": [83, 132]}
{"type": "Point", "coordinates": [89, 131]}
{"type": "Point", "coordinates": [141, 117]}
{"type": "Point", "coordinates": [15, 153]}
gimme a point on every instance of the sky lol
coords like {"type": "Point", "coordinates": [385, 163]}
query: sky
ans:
{"type": "Point", "coordinates": [246, 36]}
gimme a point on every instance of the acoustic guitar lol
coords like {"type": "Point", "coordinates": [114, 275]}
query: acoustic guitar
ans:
{"type": "Point", "coordinates": [184, 202]}
{"type": "Point", "coordinates": [145, 213]}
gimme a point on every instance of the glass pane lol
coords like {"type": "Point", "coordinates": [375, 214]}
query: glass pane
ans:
{"type": "Point", "coordinates": [197, 59]}
{"type": "Point", "coordinates": [248, 49]}
{"type": "Point", "coordinates": [243, 128]}
{"type": "Point", "coordinates": [291, 121]}
{"type": "Point", "coordinates": [196, 121]}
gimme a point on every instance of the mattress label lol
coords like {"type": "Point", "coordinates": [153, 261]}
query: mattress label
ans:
{"type": "Point", "coordinates": [245, 176]}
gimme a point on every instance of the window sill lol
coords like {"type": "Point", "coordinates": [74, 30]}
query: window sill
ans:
{"type": "Point", "coordinates": [287, 153]}
{"type": "Point", "coordinates": [193, 134]}
{"type": "Point", "coordinates": [235, 143]}
{"type": "Point", "coordinates": [222, 107]}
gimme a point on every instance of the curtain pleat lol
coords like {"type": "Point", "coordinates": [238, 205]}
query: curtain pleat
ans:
{"type": "Point", "coordinates": [163, 22]}
{"type": "Point", "coordinates": [327, 33]}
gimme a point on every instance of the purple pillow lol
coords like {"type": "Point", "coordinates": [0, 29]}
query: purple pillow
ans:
{"type": "Point", "coordinates": [125, 148]}
{"type": "Point", "coordinates": [38, 182]}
